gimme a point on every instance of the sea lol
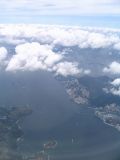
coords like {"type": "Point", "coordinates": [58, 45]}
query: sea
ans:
{"type": "Point", "coordinates": [80, 135]}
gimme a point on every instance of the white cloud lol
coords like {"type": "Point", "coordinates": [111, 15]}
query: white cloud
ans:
{"type": "Point", "coordinates": [98, 40]}
{"type": "Point", "coordinates": [117, 46]}
{"type": "Point", "coordinates": [115, 91]}
{"type": "Point", "coordinates": [114, 88]}
{"type": "Point", "coordinates": [67, 68]}
{"type": "Point", "coordinates": [3, 53]}
{"type": "Point", "coordinates": [116, 82]}
{"type": "Point", "coordinates": [35, 45]}
{"type": "Point", "coordinates": [87, 71]}
{"type": "Point", "coordinates": [33, 56]}
{"type": "Point", "coordinates": [52, 59]}
{"type": "Point", "coordinates": [83, 37]}
{"type": "Point", "coordinates": [113, 68]}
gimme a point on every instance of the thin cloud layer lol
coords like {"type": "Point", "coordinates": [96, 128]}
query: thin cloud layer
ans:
{"type": "Point", "coordinates": [63, 7]}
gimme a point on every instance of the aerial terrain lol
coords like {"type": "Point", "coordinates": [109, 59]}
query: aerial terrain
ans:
{"type": "Point", "coordinates": [59, 92]}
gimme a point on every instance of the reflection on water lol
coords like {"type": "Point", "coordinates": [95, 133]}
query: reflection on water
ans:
{"type": "Point", "coordinates": [79, 134]}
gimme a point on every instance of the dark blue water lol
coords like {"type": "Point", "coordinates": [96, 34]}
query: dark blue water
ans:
{"type": "Point", "coordinates": [79, 133]}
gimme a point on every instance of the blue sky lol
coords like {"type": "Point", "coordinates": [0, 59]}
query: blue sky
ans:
{"type": "Point", "coordinates": [102, 13]}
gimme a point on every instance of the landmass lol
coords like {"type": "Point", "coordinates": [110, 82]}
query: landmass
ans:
{"type": "Point", "coordinates": [89, 92]}
{"type": "Point", "coordinates": [110, 115]}
{"type": "Point", "coordinates": [77, 92]}
{"type": "Point", "coordinates": [50, 144]}
{"type": "Point", "coordinates": [10, 131]}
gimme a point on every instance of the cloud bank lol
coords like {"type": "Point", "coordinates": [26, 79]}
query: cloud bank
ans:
{"type": "Point", "coordinates": [34, 47]}
{"type": "Point", "coordinates": [61, 35]}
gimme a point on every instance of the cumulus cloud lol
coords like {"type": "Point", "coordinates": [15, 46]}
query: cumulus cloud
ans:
{"type": "Point", "coordinates": [33, 56]}
{"type": "Point", "coordinates": [67, 68]}
{"type": "Point", "coordinates": [116, 82]}
{"type": "Point", "coordinates": [114, 87]}
{"type": "Point", "coordinates": [113, 68]}
{"type": "Point", "coordinates": [115, 91]}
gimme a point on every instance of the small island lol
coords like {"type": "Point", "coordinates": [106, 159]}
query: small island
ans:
{"type": "Point", "coordinates": [50, 144]}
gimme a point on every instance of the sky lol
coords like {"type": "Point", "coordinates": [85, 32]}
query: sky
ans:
{"type": "Point", "coordinates": [103, 13]}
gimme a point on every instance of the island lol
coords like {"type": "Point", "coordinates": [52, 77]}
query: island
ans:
{"type": "Point", "coordinates": [50, 144]}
